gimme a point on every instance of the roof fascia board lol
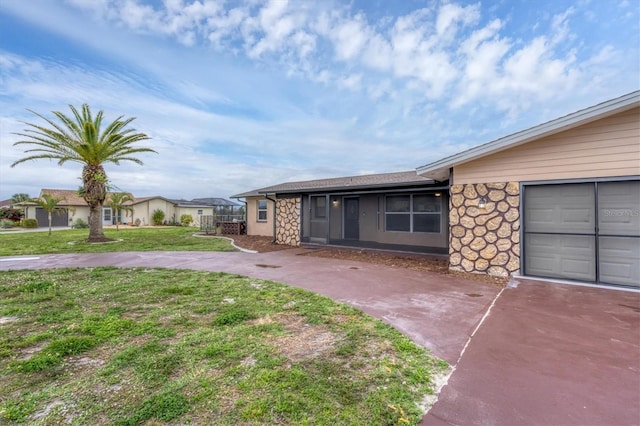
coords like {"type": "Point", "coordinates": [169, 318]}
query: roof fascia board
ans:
{"type": "Point", "coordinates": [567, 122]}
{"type": "Point", "coordinates": [361, 188]}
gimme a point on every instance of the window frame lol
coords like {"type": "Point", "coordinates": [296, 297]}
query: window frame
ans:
{"type": "Point", "coordinates": [262, 209]}
{"type": "Point", "coordinates": [412, 213]}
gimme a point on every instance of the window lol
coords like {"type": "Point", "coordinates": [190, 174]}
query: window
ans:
{"type": "Point", "coordinates": [319, 207]}
{"type": "Point", "coordinates": [398, 213]}
{"type": "Point", "coordinates": [200, 212]}
{"type": "Point", "coordinates": [262, 210]}
{"type": "Point", "coordinates": [106, 214]}
{"type": "Point", "coordinates": [413, 213]}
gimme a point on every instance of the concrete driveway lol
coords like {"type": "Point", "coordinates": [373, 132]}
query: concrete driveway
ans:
{"type": "Point", "coordinates": [540, 353]}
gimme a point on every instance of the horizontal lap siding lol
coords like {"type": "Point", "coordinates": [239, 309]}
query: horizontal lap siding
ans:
{"type": "Point", "coordinates": [603, 148]}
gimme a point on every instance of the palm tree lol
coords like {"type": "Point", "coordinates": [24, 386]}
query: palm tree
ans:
{"type": "Point", "coordinates": [19, 198]}
{"type": "Point", "coordinates": [118, 202]}
{"type": "Point", "coordinates": [50, 204]}
{"type": "Point", "coordinates": [82, 141]}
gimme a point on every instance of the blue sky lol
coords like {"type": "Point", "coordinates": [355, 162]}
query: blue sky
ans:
{"type": "Point", "coordinates": [238, 95]}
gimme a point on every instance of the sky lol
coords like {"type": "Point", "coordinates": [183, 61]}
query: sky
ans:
{"type": "Point", "coordinates": [239, 95]}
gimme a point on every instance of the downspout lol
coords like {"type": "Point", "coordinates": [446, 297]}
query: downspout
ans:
{"type": "Point", "coordinates": [274, 217]}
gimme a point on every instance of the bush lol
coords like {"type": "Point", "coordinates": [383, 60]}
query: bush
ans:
{"type": "Point", "coordinates": [157, 217]}
{"type": "Point", "coordinates": [186, 219]}
{"type": "Point", "coordinates": [29, 223]}
{"type": "Point", "coordinates": [80, 224]}
{"type": "Point", "coordinates": [6, 223]}
{"type": "Point", "coordinates": [11, 214]}
{"type": "Point", "coordinates": [137, 222]}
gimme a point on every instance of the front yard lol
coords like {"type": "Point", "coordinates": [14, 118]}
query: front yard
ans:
{"type": "Point", "coordinates": [130, 239]}
{"type": "Point", "coordinates": [132, 346]}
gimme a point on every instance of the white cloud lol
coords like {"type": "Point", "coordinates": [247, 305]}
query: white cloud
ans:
{"type": "Point", "coordinates": [252, 82]}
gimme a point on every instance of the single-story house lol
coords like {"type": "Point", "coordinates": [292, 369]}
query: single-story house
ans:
{"type": "Point", "coordinates": [74, 207]}
{"type": "Point", "coordinates": [402, 211]}
{"type": "Point", "coordinates": [559, 200]}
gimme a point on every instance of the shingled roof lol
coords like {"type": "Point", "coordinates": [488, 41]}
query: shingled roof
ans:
{"type": "Point", "coordinates": [361, 182]}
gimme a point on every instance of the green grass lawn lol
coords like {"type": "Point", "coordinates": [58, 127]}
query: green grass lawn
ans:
{"type": "Point", "coordinates": [154, 346]}
{"type": "Point", "coordinates": [133, 239]}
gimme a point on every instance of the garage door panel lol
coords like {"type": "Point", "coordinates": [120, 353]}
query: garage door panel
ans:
{"type": "Point", "coordinates": [561, 256]}
{"type": "Point", "coordinates": [560, 208]}
{"type": "Point", "coordinates": [619, 208]}
{"type": "Point", "coordinates": [619, 260]}
{"type": "Point", "coordinates": [58, 217]}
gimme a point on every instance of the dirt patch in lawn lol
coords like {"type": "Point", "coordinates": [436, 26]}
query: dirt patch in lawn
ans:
{"type": "Point", "coordinates": [304, 341]}
{"type": "Point", "coordinates": [415, 261]}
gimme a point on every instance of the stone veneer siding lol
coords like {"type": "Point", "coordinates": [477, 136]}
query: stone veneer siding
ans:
{"type": "Point", "coordinates": [288, 221]}
{"type": "Point", "coordinates": [485, 240]}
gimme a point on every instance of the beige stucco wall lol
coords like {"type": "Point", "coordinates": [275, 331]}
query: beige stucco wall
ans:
{"type": "Point", "coordinates": [144, 210]}
{"type": "Point", "coordinates": [193, 212]}
{"type": "Point", "coordinates": [603, 148]}
{"type": "Point", "coordinates": [78, 213]}
{"type": "Point", "coordinates": [255, 227]}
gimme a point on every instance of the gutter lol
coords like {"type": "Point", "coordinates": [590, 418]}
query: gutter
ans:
{"type": "Point", "coordinates": [274, 216]}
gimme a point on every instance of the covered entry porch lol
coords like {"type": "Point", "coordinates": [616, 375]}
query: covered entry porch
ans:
{"type": "Point", "coordinates": [411, 219]}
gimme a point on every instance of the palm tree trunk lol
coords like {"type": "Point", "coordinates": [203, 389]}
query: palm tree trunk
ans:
{"type": "Point", "coordinates": [49, 223]}
{"type": "Point", "coordinates": [96, 234]}
{"type": "Point", "coordinates": [94, 179]}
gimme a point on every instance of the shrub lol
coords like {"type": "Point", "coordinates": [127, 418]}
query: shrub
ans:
{"type": "Point", "coordinates": [11, 214]}
{"type": "Point", "coordinates": [6, 223]}
{"type": "Point", "coordinates": [157, 217]}
{"type": "Point", "coordinates": [80, 224]}
{"type": "Point", "coordinates": [186, 219]}
{"type": "Point", "coordinates": [137, 222]}
{"type": "Point", "coordinates": [29, 223]}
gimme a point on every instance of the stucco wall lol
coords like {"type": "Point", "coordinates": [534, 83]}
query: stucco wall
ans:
{"type": "Point", "coordinates": [144, 210]}
{"type": "Point", "coordinates": [485, 240]}
{"type": "Point", "coordinates": [255, 227]}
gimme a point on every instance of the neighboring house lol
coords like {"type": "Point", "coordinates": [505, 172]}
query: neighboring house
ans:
{"type": "Point", "coordinates": [400, 211]}
{"type": "Point", "coordinates": [5, 204]}
{"type": "Point", "coordinates": [74, 207]}
{"type": "Point", "coordinates": [71, 208]}
{"type": "Point", "coordinates": [559, 200]}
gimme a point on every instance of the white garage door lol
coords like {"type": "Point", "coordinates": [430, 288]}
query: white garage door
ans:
{"type": "Point", "coordinates": [583, 231]}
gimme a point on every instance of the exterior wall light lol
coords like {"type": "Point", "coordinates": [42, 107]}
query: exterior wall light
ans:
{"type": "Point", "coordinates": [438, 194]}
{"type": "Point", "coordinates": [334, 203]}
{"type": "Point", "coordinates": [482, 203]}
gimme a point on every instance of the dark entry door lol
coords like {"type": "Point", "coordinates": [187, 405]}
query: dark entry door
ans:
{"type": "Point", "coordinates": [351, 219]}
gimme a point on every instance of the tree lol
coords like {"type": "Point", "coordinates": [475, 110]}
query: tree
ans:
{"type": "Point", "coordinates": [118, 202]}
{"type": "Point", "coordinates": [80, 139]}
{"type": "Point", "coordinates": [50, 204]}
{"type": "Point", "coordinates": [20, 197]}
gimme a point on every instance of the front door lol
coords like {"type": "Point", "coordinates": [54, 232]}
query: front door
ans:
{"type": "Point", "coordinates": [107, 216]}
{"type": "Point", "coordinates": [351, 219]}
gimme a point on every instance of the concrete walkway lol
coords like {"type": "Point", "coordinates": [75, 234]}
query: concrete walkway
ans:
{"type": "Point", "coordinates": [543, 354]}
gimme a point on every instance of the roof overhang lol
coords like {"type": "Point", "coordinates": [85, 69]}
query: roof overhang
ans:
{"type": "Point", "coordinates": [439, 170]}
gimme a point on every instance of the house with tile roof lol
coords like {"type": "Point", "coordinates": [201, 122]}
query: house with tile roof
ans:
{"type": "Point", "coordinates": [74, 207]}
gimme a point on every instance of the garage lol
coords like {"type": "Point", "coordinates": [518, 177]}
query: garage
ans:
{"type": "Point", "coordinates": [585, 231]}
{"type": "Point", "coordinates": [58, 217]}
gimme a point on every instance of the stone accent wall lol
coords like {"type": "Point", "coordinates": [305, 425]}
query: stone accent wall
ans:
{"type": "Point", "coordinates": [288, 221]}
{"type": "Point", "coordinates": [485, 240]}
